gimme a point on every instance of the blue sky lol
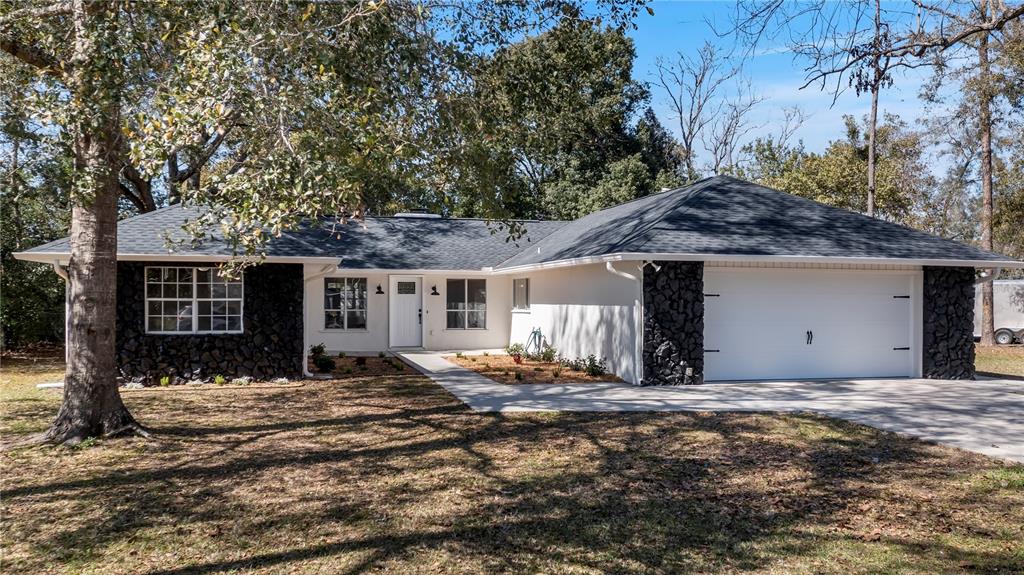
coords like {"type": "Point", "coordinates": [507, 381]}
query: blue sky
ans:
{"type": "Point", "coordinates": [682, 26]}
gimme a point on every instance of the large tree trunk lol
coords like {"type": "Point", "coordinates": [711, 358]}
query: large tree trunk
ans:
{"type": "Point", "coordinates": [985, 125]}
{"type": "Point", "coordinates": [92, 405]}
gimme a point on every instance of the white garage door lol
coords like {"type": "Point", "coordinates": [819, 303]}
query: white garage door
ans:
{"type": "Point", "coordinates": [806, 324]}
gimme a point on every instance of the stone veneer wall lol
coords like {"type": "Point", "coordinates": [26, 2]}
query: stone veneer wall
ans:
{"type": "Point", "coordinates": [271, 345]}
{"type": "Point", "coordinates": [948, 334]}
{"type": "Point", "coordinates": [673, 323]}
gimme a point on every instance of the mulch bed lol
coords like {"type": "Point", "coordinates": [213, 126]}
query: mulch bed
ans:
{"type": "Point", "coordinates": [503, 369]}
{"type": "Point", "coordinates": [349, 367]}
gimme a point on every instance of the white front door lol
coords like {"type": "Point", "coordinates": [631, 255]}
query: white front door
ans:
{"type": "Point", "coordinates": [807, 324]}
{"type": "Point", "coordinates": [406, 311]}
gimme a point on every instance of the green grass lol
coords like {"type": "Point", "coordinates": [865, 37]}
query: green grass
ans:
{"type": "Point", "coordinates": [390, 474]}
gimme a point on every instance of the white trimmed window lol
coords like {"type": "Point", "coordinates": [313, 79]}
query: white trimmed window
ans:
{"type": "Point", "coordinates": [521, 294]}
{"type": "Point", "coordinates": [344, 303]}
{"type": "Point", "coordinates": [466, 304]}
{"type": "Point", "coordinates": [192, 300]}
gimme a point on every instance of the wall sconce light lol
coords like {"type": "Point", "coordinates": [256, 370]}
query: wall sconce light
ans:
{"type": "Point", "coordinates": [433, 290]}
{"type": "Point", "coordinates": [379, 291]}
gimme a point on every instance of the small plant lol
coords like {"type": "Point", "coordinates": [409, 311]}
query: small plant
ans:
{"type": "Point", "coordinates": [458, 354]}
{"type": "Point", "coordinates": [324, 364]}
{"type": "Point", "coordinates": [219, 379]}
{"type": "Point", "coordinates": [515, 349]}
{"type": "Point", "coordinates": [486, 354]}
{"type": "Point", "coordinates": [380, 354]}
{"type": "Point", "coordinates": [165, 381]}
{"type": "Point", "coordinates": [341, 355]}
{"type": "Point", "coordinates": [398, 365]}
{"type": "Point", "coordinates": [317, 350]}
{"type": "Point", "coordinates": [538, 369]}
{"type": "Point", "coordinates": [595, 367]}
{"type": "Point", "coordinates": [519, 376]}
{"type": "Point", "coordinates": [361, 361]}
{"type": "Point", "coordinates": [348, 371]}
{"type": "Point", "coordinates": [548, 353]}
{"type": "Point", "coordinates": [556, 372]}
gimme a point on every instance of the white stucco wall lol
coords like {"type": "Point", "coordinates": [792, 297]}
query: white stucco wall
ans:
{"type": "Point", "coordinates": [435, 336]}
{"type": "Point", "coordinates": [585, 310]}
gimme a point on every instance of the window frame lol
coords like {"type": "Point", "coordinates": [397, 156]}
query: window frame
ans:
{"type": "Point", "coordinates": [195, 299]}
{"type": "Point", "coordinates": [519, 307]}
{"type": "Point", "coordinates": [465, 302]}
{"type": "Point", "coordinates": [344, 305]}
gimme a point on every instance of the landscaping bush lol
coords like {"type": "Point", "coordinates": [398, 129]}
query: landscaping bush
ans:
{"type": "Point", "coordinates": [380, 354]}
{"type": "Point", "coordinates": [519, 376]}
{"type": "Point", "coordinates": [165, 381]}
{"type": "Point", "coordinates": [317, 350]}
{"type": "Point", "coordinates": [323, 363]}
{"type": "Point", "coordinates": [515, 349]}
{"type": "Point", "coordinates": [219, 380]}
{"type": "Point", "coordinates": [341, 355]}
{"type": "Point", "coordinates": [595, 367]}
{"type": "Point", "coordinates": [548, 353]}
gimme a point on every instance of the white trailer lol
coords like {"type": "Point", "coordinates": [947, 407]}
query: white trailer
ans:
{"type": "Point", "coordinates": [1007, 309]}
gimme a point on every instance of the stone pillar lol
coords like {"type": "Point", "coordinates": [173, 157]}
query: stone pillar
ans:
{"type": "Point", "coordinates": [948, 330]}
{"type": "Point", "coordinates": [673, 350]}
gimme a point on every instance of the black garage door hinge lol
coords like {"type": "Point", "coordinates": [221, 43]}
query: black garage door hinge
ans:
{"type": "Point", "coordinates": [711, 351]}
{"type": "Point", "coordinates": [712, 295]}
{"type": "Point", "coordinates": [901, 297]}
{"type": "Point", "coordinates": [901, 349]}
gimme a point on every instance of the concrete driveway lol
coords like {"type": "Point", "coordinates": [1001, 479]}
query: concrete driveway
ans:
{"type": "Point", "coordinates": [985, 416]}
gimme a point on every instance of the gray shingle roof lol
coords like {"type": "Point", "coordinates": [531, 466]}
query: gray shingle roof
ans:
{"type": "Point", "coordinates": [382, 243]}
{"type": "Point", "coordinates": [728, 216]}
{"type": "Point", "coordinates": [720, 216]}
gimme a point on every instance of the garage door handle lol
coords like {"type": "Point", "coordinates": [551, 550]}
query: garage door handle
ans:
{"type": "Point", "coordinates": [810, 337]}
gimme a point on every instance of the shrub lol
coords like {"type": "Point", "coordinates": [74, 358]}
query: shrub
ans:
{"type": "Point", "coordinates": [548, 353]}
{"type": "Point", "coordinates": [165, 381]}
{"type": "Point", "coordinates": [323, 363]}
{"type": "Point", "coordinates": [486, 354]}
{"type": "Point", "coordinates": [219, 379]}
{"type": "Point", "coordinates": [380, 354]}
{"type": "Point", "coordinates": [361, 361]}
{"type": "Point", "coordinates": [519, 376]}
{"type": "Point", "coordinates": [317, 350]}
{"type": "Point", "coordinates": [348, 370]}
{"type": "Point", "coordinates": [595, 367]}
{"type": "Point", "coordinates": [557, 372]}
{"type": "Point", "coordinates": [341, 355]}
{"type": "Point", "coordinates": [399, 365]}
{"type": "Point", "coordinates": [458, 354]}
{"type": "Point", "coordinates": [515, 349]}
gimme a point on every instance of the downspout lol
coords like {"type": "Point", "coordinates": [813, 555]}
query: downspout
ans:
{"type": "Point", "coordinates": [63, 274]}
{"type": "Point", "coordinates": [638, 318]}
{"type": "Point", "coordinates": [326, 269]}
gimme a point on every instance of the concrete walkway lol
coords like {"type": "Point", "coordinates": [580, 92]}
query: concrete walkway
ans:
{"type": "Point", "coordinates": [985, 416]}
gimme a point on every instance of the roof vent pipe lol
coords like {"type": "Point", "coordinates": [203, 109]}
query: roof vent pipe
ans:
{"type": "Point", "coordinates": [417, 213]}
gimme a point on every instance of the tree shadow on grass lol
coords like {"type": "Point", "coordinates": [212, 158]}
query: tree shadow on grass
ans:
{"type": "Point", "coordinates": [369, 479]}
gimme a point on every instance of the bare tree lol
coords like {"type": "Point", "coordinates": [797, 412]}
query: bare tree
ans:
{"type": "Point", "coordinates": [693, 87]}
{"type": "Point", "coordinates": [730, 125]}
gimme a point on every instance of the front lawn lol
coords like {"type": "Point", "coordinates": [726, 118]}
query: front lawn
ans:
{"type": "Point", "coordinates": [1000, 360]}
{"type": "Point", "coordinates": [391, 474]}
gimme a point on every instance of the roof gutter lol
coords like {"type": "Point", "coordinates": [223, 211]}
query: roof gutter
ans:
{"type": "Point", "coordinates": [625, 256]}
{"type": "Point", "coordinates": [48, 257]}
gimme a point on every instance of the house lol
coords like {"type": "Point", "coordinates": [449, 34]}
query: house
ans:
{"type": "Point", "coordinates": [721, 280]}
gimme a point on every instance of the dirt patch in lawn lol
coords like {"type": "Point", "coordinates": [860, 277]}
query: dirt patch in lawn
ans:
{"type": "Point", "coordinates": [503, 369]}
{"type": "Point", "coordinates": [393, 475]}
{"type": "Point", "coordinates": [1000, 360]}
